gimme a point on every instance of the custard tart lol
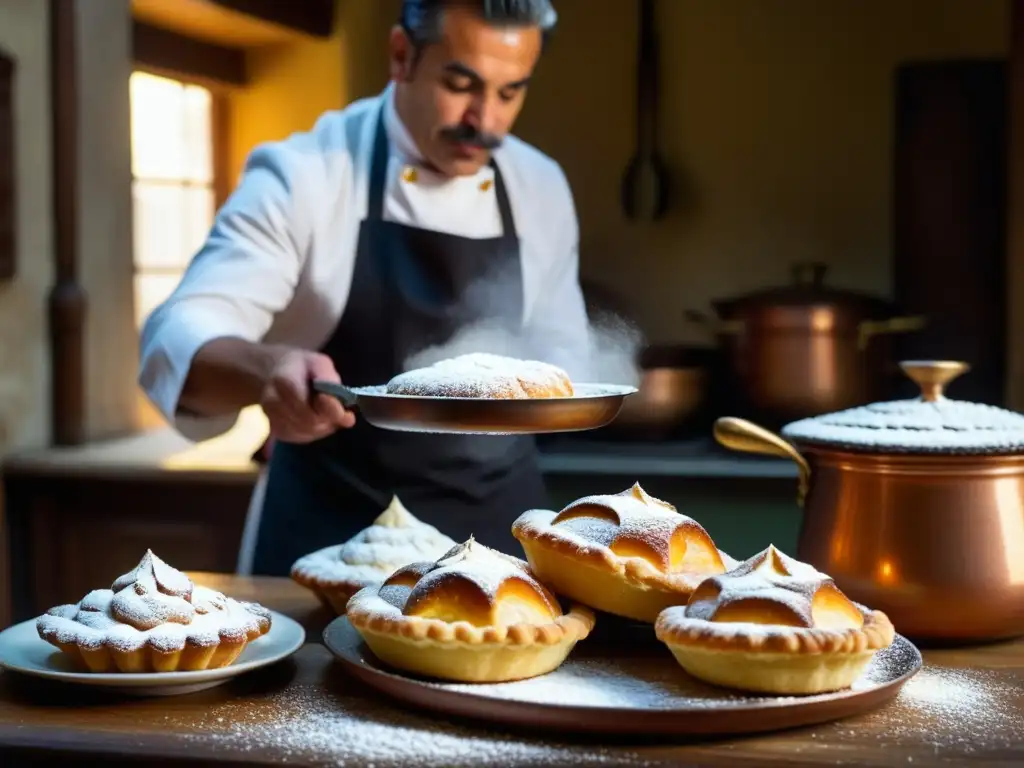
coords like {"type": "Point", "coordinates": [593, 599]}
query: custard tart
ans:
{"type": "Point", "coordinates": [627, 554]}
{"type": "Point", "coordinates": [153, 619]}
{"type": "Point", "coordinates": [394, 539]}
{"type": "Point", "coordinates": [474, 615]}
{"type": "Point", "coordinates": [774, 625]}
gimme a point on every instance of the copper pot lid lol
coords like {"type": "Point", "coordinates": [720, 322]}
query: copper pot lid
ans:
{"type": "Point", "coordinates": [807, 288]}
{"type": "Point", "coordinates": [931, 423]}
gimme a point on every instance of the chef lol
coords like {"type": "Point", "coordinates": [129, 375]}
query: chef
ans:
{"type": "Point", "coordinates": [390, 229]}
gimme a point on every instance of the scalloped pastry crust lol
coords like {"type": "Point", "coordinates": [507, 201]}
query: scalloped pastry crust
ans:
{"type": "Point", "coordinates": [461, 651]}
{"type": "Point", "coordinates": [333, 593]}
{"type": "Point", "coordinates": [772, 658]}
{"type": "Point", "coordinates": [593, 574]}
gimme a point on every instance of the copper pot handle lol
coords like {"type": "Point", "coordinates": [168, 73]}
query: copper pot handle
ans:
{"type": "Point", "coordinates": [746, 437]}
{"type": "Point", "coordinates": [869, 328]}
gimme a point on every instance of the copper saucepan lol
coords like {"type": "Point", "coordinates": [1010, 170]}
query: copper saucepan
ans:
{"type": "Point", "coordinates": [932, 536]}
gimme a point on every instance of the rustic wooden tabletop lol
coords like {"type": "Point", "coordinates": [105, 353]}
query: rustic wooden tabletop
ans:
{"type": "Point", "coordinates": [964, 707]}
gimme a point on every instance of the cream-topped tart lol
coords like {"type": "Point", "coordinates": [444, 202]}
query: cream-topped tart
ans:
{"type": "Point", "coordinates": [473, 615]}
{"type": "Point", "coordinates": [774, 625]}
{"type": "Point", "coordinates": [394, 539]}
{"type": "Point", "coordinates": [628, 554]}
{"type": "Point", "coordinates": [153, 619]}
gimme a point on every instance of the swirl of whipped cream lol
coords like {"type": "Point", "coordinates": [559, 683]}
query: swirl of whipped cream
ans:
{"type": "Point", "coordinates": [394, 539]}
{"type": "Point", "coordinates": [153, 593]}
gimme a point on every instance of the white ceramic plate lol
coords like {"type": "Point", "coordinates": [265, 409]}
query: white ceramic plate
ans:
{"type": "Point", "coordinates": [22, 650]}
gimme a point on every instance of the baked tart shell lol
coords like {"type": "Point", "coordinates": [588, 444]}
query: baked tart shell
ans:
{"type": "Point", "coordinates": [773, 659]}
{"type": "Point", "coordinates": [333, 594]}
{"type": "Point", "coordinates": [593, 575]}
{"type": "Point", "coordinates": [463, 652]}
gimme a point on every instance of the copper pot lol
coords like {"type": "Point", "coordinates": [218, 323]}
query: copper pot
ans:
{"type": "Point", "coordinates": [935, 538]}
{"type": "Point", "coordinates": [673, 388]}
{"type": "Point", "coordinates": [805, 349]}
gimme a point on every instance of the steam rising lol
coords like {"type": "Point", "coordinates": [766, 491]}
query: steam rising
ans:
{"type": "Point", "coordinates": [605, 354]}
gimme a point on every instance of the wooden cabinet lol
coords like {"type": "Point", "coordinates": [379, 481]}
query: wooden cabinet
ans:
{"type": "Point", "coordinates": [75, 528]}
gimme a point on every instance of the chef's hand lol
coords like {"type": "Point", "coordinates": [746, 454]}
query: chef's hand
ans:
{"type": "Point", "coordinates": [296, 414]}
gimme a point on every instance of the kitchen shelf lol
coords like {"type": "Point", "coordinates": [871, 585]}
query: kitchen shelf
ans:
{"type": "Point", "coordinates": [696, 457]}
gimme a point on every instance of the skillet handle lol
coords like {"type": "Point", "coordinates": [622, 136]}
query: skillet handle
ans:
{"type": "Point", "coordinates": [348, 398]}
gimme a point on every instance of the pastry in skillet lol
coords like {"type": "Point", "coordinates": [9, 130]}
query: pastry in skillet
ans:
{"type": "Point", "coordinates": [627, 554]}
{"type": "Point", "coordinates": [395, 538]}
{"type": "Point", "coordinates": [474, 615]}
{"type": "Point", "coordinates": [484, 375]}
{"type": "Point", "coordinates": [153, 619]}
{"type": "Point", "coordinates": [774, 625]}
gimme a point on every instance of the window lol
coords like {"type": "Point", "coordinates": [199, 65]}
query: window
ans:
{"type": "Point", "coordinates": [172, 182]}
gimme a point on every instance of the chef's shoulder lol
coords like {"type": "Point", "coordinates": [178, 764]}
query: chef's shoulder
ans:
{"type": "Point", "coordinates": [310, 163]}
{"type": "Point", "coordinates": [537, 178]}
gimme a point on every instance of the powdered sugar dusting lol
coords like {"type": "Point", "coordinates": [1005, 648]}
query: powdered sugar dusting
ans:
{"type": "Point", "coordinates": [941, 426]}
{"type": "Point", "coordinates": [956, 711]}
{"type": "Point", "coordinates": [483, 375]}
{"type": "Point", "coordinates": [770, 576]}
{"type": "Point", "coordinates": [485, 567]}
{"type": "Point", "coordinates": [396, 538]}
{"type": "Point", "coordinates": [638, 517]}
{"type": "Point", "coordinates": [337, 724]}
{"type": "Point", "coordinates": [141, 610]}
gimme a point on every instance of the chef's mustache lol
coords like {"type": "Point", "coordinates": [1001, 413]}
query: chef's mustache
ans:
{"type": "Point", "coordinates": [467, 134]}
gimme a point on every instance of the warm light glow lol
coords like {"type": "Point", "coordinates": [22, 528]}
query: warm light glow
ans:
{"type": "Point", "coordinates": [1011, 524]}
{"type": "Point", "coordinates": [172, 188]}
{"type": "Point", "coordinates": [886, 572]}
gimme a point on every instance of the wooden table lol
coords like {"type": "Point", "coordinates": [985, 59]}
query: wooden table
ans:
{"type": "Point", "coordinates": [965, 707]}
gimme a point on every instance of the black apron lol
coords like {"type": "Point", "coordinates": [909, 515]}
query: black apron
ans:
{"type": "Point", "coordinates": [411, 289]}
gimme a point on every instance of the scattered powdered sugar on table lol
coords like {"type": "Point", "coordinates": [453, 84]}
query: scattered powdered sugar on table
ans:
{"type": "Point", "coordinates": [310, 726]}
{"type": "Point", "coordinates": [956, 711]}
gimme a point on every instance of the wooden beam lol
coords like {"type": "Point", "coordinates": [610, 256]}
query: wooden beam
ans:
{"type": "Point", "coordinates": [310, 17]}
{"type": "Point", "coordinates": [67, 301]}
{"type": "Point", "coordinates": [161, 50]}
{"type": "Point", "coordinates": [1015, 213]}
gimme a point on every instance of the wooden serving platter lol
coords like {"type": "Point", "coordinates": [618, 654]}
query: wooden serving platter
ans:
{"type": "Point", "coordinates": [625, 682]}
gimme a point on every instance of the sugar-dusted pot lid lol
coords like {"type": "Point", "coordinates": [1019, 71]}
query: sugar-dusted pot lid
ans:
{"type": "Point", "coordinates": [931, 424]}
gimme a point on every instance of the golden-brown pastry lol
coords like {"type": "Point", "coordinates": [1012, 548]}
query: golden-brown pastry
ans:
{"type": "Point", "coordinates": [474, 615]}
{"type": "Point", "coordinates": [484, 375]}
{"type": "Point", "coordinates": [627, 554]}
{"type": "Point", "coordinates": [395, 538]}
{"type": "Point", "coordinates": [774, 625]}
{"type": "Point", "coordinates": [153, 619]}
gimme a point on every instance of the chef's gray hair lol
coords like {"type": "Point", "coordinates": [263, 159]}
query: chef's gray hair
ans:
{"type": "Point", "coordinates": [422, 19]}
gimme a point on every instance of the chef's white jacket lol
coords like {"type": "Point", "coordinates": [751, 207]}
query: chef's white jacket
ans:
{"type": "Point", "coordinates": [278, 262]}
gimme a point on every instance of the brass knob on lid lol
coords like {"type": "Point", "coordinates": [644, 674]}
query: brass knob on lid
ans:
{"type": "Point", "coordinates": [932, 376]}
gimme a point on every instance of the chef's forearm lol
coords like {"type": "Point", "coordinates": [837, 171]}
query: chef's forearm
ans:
{"type": "Point", "coordinates": [228, 374]}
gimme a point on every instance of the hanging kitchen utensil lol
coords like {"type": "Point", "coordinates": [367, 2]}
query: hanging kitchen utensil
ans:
{"type": "Point", "coordinates": [592, 406]}
{"type": "Point", "coordinates": [645, 184]}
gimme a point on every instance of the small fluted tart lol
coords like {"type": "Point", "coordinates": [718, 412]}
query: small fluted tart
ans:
{"type": "Point", "coordinates": [153, 619]}
{"type": "Point", "coordinates": [774, 625]}
{"type": "Point", "coordinates": [474, 615]}
{"type": "Point", "coordinates": [627, 554]}
{"type": "Point", "coordinates": [394, 539]}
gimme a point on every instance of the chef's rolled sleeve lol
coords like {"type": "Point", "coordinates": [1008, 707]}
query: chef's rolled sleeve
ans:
{"type": "Point", "coordinates": [243, 275]}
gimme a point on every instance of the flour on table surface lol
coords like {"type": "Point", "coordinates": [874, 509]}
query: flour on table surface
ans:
{"type": "Point", "coordinates": [313, 726]}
